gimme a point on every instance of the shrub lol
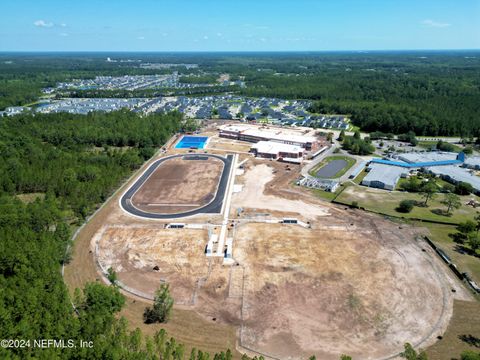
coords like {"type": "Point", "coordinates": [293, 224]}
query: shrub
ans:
{"type": "Point", "coordinates": [463, 188]}
{"type": "Point", "coordinates": [468, 150]}
{"type": "Point", "coordinates": [162, 305]}
{"type": "Point", "coordinates": [445, 146]}
{"type": "Point", "coordinates": [406, 206]}
{"type": "Point", "coordinates": [112, 276]}
{"type": "Point", "coordinates": [470, 355]}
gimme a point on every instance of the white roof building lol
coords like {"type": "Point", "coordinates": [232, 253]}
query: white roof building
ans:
{"type": "Point", "coordinates": [457, 174]}
{"type": "Point", "coordinates": [384, 176]}
{"type": "Point", "coordinates": [472, 162]}
{"type": "Point", "coordinates": [275, 148]}
{"type": "Point", "coordinates": [419, 157]}
{"type": "Point", "coordinates": [257, 133]}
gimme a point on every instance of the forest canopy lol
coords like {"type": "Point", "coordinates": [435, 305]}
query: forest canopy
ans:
{"type": "Point", "coordinates": [430, 93]}
{"type": "Point", "coordinates": [72, 163]}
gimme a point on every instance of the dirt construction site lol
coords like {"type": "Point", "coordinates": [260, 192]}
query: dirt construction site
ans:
{"type": "Point", "coordinates": [293, 275]}
{"type": "Point", "coordinates": [181, 184]}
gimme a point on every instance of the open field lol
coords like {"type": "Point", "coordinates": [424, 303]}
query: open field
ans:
{"type": "Point", "coordinates": [385, 202]}
{"type": "Point", "coordinates": [461, 333]}
{"type": "Point", "coordinates": [326, 265]}
{"type": "Point", "coordinates": [143, 256]}
{"type": "Point", "coordinates": [312, 296]}
{"type": "Point", "coordinates": [432, 144]}
{"type": "Point", "coordinates": [440, 234]}
{"type": "Point", "coordinates": [253, 196]}
{"type": "Point", "coordinates": [30, 197]}
{"type": "Point", "coordinates": [186, 327]}
{"type": "Point", "coordinates": [327, 195]}
{"type": "Point", "coordinates": [179, 185]}
{"type": "Point", "coordinates": [333, 167]}
{"type": "Point", "coordinates": [218, 143]}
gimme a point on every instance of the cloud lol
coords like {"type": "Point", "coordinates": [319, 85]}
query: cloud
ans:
{"type": "Point", "coordinates": [63, 25]}
{"type": "Point", "coordinates": [63, 34]}
{"type": "Point", "coordinates": [141, 37]}
{"type": "Point", "coordinates": [434, 24]}
{"type": "Point", "coordinates": [205, 37]}
{"type": "Point", "coordinates": [43, 23]}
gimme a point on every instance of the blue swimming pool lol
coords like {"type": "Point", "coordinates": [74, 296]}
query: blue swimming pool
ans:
{"type": "Point", "coordinates": [192, 142]}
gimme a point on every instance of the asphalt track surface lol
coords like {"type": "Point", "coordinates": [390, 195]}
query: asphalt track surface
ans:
{"type": "Point", "coordinates": [214, 207]}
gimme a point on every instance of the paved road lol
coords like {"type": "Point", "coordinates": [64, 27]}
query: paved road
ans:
{"type": "Point", "coordinates": [214, 207]}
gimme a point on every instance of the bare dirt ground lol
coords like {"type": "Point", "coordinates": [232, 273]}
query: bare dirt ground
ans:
{"type": "Point", "coordinates": [253, 195]}
{"type": "Point", "coordinates": [178, 185]}
{"type": "Point", "coordinates": [328, 290]}
{"type": "Point", "coordinates": [223, 77]}
{"type": "Point", "coordinates": [355, 283]}
{"type": "Point", "coordinates": [143, 256]}
{"type": "Point", "coordinates": [218, 143]}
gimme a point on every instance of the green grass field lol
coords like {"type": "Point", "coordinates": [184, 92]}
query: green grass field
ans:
{"type": "Point", "coordinates": [440, 183]}
{"type": "Point", "coordinates": [430, 144]}
{"type": "Point", "coordinates": [441, 236]}
{"type": "Point", "coordinates": [350, 162]}
{"type": "Point", "coordinates": [385, 202]}
{"type": "Point", "coordinates": [330, 196]}
{"type": "Point", "coordinates": [360, 177]}
{"type": "Point", "coordinates": [465, 321]}
{"type": "Point", "coordinates": [30, 197]}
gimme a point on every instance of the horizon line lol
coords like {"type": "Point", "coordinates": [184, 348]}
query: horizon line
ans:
{"type": "Point", "coordinates": [234, 51]}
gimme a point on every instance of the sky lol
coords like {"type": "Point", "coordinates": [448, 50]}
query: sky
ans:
{"type": "Point", "coordinates": [238, 25]}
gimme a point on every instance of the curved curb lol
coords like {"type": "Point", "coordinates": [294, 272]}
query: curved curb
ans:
{"type": "Point", "coordinates": [214, 207]}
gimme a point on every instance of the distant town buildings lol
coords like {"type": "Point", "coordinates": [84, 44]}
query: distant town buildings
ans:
{"type": "Point", "coordinates": [84, 106]}
{"type": "Point", "coordinates": [14, 110]}
{"type": "Point", "coordinates": [166, 66]}
{"type": "Point", "coordinates": [226, 107]}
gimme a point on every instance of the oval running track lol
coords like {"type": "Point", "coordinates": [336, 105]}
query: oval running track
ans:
{"type": "Point", "coordinates": [214, 207]}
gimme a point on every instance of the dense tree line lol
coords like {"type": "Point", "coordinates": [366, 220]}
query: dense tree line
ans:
{"type": "Point", "coordinates": [437, 97]}
{"type": "Point", "coordinates": [355, 145]}
{"type": "Point", "coordinates": [199, 79]}
{"type": "Point", "coordinates": [148, 93]}
{"type": "Point", "coordinates": [72, 161]}
{"type": "Point", "coordinates": [79, 159]}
